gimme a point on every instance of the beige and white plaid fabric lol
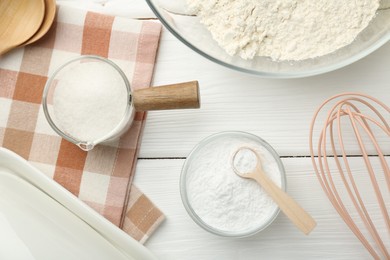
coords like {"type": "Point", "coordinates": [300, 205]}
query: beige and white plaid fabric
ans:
{"type": "Point", "coordinates": [102, 177]}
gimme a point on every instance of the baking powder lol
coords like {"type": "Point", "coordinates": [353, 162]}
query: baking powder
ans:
{"type": "Point", "coordinates": [284, 30]}
{"type": "Point", "coordinates": [90, 101]}
{"type": "Point", "coordinates": [222, 199]}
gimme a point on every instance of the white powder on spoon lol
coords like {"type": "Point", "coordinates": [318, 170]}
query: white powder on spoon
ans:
{"type": "Point", "coordinates": [245, 161]}
{"type": "Point", "coordinates": [222, 199]}
{"type": "Point", "coordinates": [284, 30]}
{"type": "Point", "coordinates": [89, 101]}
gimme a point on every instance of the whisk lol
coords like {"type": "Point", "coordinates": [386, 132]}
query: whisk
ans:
{"type": "Point", "coordinates": [347, 112]}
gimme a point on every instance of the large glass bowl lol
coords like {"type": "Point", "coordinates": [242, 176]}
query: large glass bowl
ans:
{"type": "Point", "coordinates": [188, 29]}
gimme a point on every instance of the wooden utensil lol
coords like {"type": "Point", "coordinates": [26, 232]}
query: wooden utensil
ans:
{"type": "Point", "coordinates": [175, 96]}
{"type": "Point", "coordinates": [50, 12]}
{"type": "Point", "coordinates": [19, 20]}
{"type": "Point", "coordinates": [289, 206]}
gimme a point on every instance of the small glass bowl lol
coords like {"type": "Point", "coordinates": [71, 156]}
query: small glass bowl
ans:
{"type": "Point", "coordinates": [65, 72]}
{"type": "Point", "coordinates": [196, 154]}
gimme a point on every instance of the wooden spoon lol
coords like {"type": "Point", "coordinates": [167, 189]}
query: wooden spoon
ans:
{"type": "Point", "coordinates": [19, 20]}
{"type": "Point", "coordinates": [288, 205]}
{"type": "Point", "coordinates": [50, 13]}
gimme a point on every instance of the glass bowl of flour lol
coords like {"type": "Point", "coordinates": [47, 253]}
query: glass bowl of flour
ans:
{"type": "Point", "coordinates": [278, 39]}
{"type": "Point", "coordinates": [220, 201]}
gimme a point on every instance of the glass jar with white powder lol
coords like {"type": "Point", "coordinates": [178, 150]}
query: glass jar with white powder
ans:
{"type": "Point", "coordinates": [88, 100]}
{"type": "Point", "coordinates": [220, 201]}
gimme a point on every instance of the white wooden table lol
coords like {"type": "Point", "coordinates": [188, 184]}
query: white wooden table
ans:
{"type": "Point", "coordinates": [279, 111]}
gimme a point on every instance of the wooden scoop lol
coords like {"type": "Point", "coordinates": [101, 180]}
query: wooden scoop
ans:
{"type": "Point", "coordinates": [175, 96]}
{"type": "Point", "coordinates": [19, 20]}
{"type": "Point", "coordinates": [288, 205]}
{"type": "Point", "coordinates": [50, 13]}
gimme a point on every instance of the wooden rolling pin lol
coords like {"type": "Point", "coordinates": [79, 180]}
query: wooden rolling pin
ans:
{"type": "Point", "coordinates": [174, 96]}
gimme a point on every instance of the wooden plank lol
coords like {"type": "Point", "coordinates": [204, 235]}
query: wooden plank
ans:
{"type": "Point", "coordinates": [180, 238]}
{"type": "Point", "coordinates": [279, 111]}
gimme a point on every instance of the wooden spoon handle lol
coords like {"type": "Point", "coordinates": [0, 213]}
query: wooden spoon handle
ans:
{"type": "Point", "coordinates": [175, 96]}
{"type": "Point", "coordinates": [288, 205]}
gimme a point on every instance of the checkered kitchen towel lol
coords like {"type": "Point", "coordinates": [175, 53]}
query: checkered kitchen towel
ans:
{"type": "Point", "coordinates": [102, 177]}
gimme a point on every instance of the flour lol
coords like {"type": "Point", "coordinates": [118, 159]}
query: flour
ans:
{"type": "Point", "coordinates": [221, 198]}
{"type": "Point", "coordinates": [89, 101]}
{"type": "Point", "coordinates": [284, 30]}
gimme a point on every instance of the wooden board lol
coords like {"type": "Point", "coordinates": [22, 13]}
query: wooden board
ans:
{"type": "Point", "coordinates": [180, 238]}
{"type": "Point", "coordinates": [279, 111]}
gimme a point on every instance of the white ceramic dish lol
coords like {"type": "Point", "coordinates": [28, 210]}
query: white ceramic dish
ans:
{"type": "Point", "coordinates": [40, 219]}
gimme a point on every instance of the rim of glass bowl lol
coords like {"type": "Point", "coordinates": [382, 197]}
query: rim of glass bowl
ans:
{"type": "Point", "coordinates": [183, 188]}
{"type": "Point", "coordinates": [86, 146]}
{"type": "Point", "coordinates": [307, 73]}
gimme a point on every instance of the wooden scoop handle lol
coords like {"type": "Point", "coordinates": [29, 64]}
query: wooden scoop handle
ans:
{"type": "Point", "coordinates": [175, 96]}
{"type": "Point", "coordinates": [288, 205]}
